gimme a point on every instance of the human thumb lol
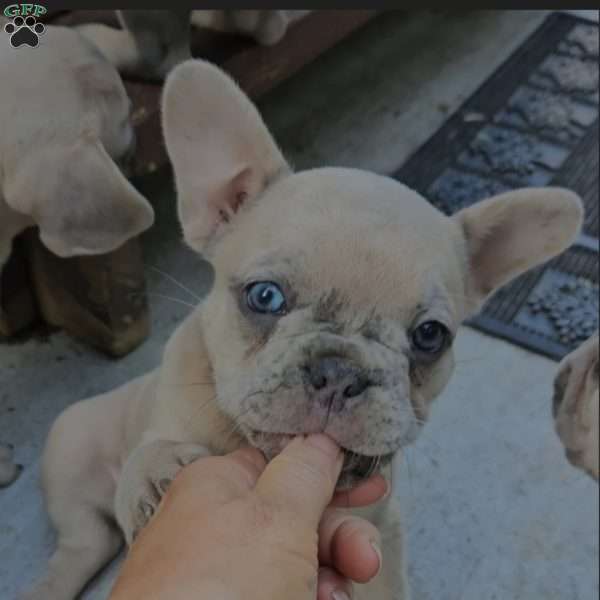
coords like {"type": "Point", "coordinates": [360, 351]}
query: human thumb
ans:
{"type": "Point", "coordinates": [301, 480]}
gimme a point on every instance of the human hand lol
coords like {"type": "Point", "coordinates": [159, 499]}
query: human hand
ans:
{"type": "Point", "coordinates": [233, 528]}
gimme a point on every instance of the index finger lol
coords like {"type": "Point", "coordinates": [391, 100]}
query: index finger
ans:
{"type": "Point", "coordinates": [301, 480]}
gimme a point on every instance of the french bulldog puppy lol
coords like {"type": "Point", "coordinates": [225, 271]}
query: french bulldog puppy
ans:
{"type": "Point", "coordinates": [336, 298]}
{"type": "Point", "coordinates": [64, 127]}
{"type": "Point", "coordinates": [575, 406]}
{"type": "Point", "coordinates": [151, 42]}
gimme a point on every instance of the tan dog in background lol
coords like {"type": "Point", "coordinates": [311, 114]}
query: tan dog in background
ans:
{"type": "Point", "coordinates": [64, 129]}
{"type": "Point", "coordinates": [64, 126]}
{"type": "Point", "coordinates": [575, 406]}
{"type": "Point", "coordinates": [336, 298]}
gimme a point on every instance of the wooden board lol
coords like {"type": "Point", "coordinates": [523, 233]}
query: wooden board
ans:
{"type": "Point", "coordinates": [98, 299]}
{"type": "Point", "coordinates": [18, 308]}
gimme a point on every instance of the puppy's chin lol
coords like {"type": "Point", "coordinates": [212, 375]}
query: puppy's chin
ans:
{"type": "Point", "coordinates": [357, 467]}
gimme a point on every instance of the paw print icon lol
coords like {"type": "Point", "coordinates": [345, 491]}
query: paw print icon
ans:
{"type": "Point", "coordinates": [24, 31]}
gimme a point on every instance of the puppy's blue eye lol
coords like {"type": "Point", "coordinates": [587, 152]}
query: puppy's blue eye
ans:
{"type": "Point", "coordinates": [265, 297]}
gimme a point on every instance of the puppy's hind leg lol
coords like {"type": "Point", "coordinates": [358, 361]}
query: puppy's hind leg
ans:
{"type": "Point", "coordinates": [87, 541]}
{"type": "Point", "coordinates": [79, 487]}
{"type": "Point", "coordinates": [391, 583]}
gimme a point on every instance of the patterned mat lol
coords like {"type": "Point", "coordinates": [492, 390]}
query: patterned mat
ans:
{"type": "Point", "coordinates": [533, 122]}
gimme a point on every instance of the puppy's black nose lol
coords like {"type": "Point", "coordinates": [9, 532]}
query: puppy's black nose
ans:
{"type": "Point", "coordinates": [335, 376]}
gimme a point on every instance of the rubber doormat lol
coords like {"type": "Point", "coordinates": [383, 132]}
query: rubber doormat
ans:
{"type": "Point", "coordinates": [534, 122]}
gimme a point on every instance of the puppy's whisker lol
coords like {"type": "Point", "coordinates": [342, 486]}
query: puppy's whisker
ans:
{"type": "Point", "coordinates": [205, 405]}
{"type": "Point", "coordinates": [236, 429]}
{"type": "Point", "coordinates": [172, 299]}
{"type": "Point", "coordinates": [236, 425]}
{"type": "Point", "coordinates": [231, 432]}
{"type": "Point", "coordinates": [176, 282]}
{"type": "Point", "coordinates": [185, 384]}
{"type": "Point", "coordinates": [469, 361]}
{"type": "Point", "coordinates": [471, 358]}
{"type": "Point", "coordinates": [371, 468]}
{"type": "Point", "coordinates": [410, 477]}
{"type": "Point", "coordinates": [374, 466]}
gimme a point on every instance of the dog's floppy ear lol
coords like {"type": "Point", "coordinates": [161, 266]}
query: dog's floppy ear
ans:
{"type": "Point", "coordinates": [79, 199]}
{"type": "Point", "coordinates": [221, 151]}
{"type": "Point", "coordinates": [510, 233]}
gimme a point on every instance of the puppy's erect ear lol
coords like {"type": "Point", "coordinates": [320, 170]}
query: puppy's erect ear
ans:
{"type": "Point", "coordinates": [221, 151]}
{"type": "Point", "coordinates": [510, 233]}
{"type": "Point", "coordinates": [79, 199]}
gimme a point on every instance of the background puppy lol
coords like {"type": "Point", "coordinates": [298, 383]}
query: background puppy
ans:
{"type": "Point", "coordinates": [58, 167]}
{"type": "Point", "coordinates": [575, 406]}
{"type": "Point", "coordinates": [336, 297]}
{"type": "Point", "coordinates": [64, 121]}
{"type": "Point", "coordinates": [152, 42]}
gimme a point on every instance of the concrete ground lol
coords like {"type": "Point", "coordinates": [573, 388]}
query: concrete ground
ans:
{"type": "Point", "coordinates": [492, 509]}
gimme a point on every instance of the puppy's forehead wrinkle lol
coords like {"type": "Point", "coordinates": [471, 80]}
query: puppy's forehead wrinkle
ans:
{"type": "Point", "coordinates": [335, 311]}
{"type": "Point", "coordinates": [301, 328]}
{"type": "Point", "coordinates": [329, 306]}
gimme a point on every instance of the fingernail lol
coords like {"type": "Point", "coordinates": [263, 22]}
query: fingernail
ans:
{"type": "Point", "coordinates": [340, 595]}
{"type": "Point", "coordinates": [377, 550]}
{"type": "Point", "coordinates": [324, 443]}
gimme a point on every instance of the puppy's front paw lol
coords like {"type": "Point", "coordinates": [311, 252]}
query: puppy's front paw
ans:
{"type": "Point", "coordinates": [9, 471]}
{"type": "Point", "coordinates": [146, 477]}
